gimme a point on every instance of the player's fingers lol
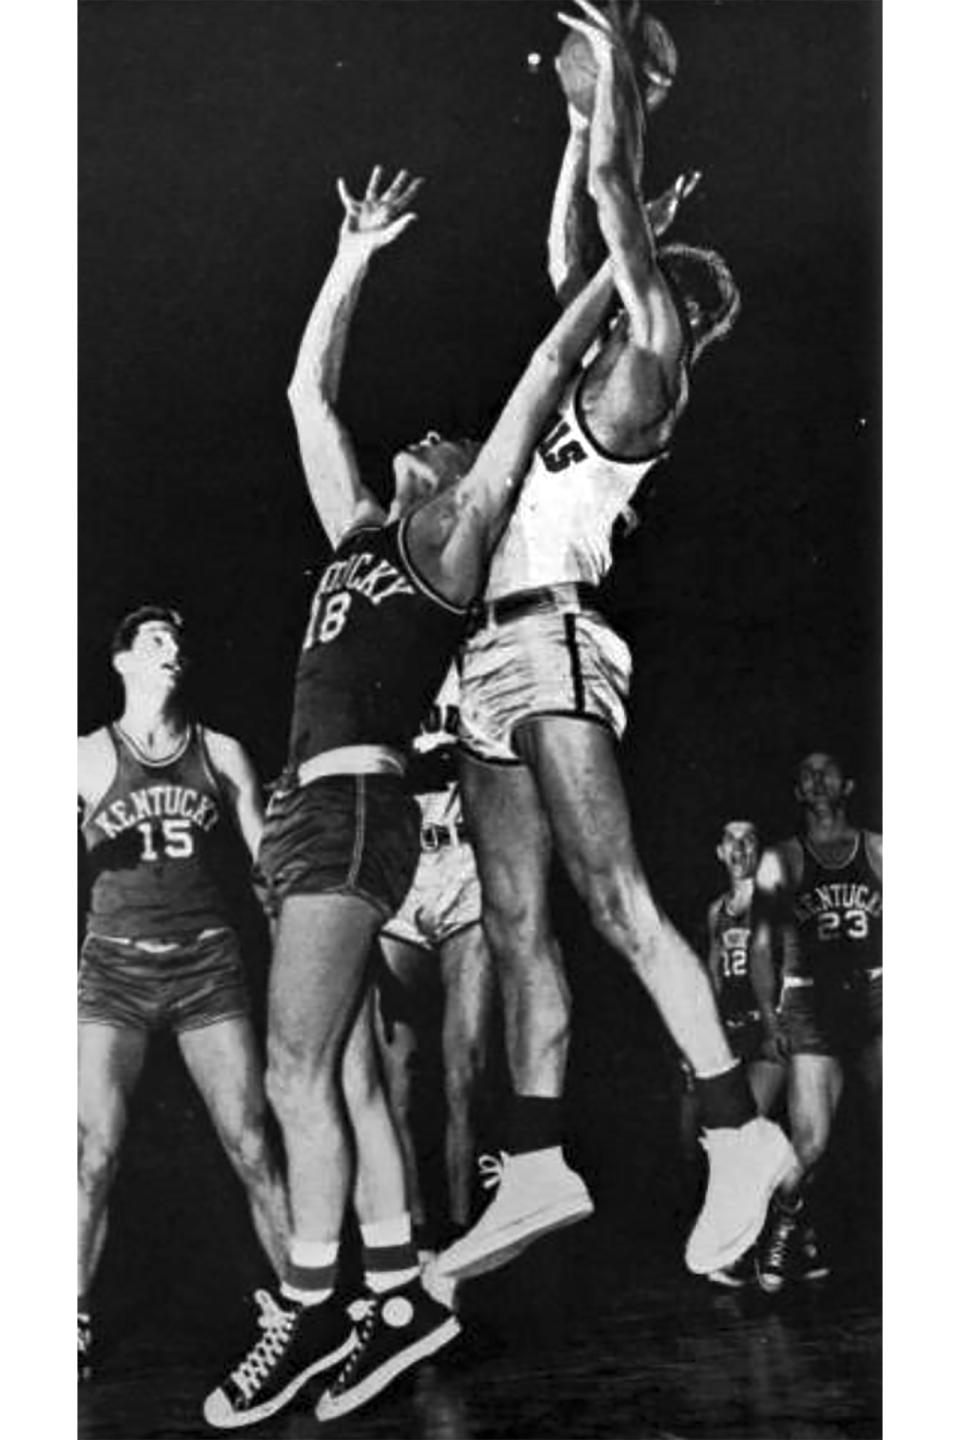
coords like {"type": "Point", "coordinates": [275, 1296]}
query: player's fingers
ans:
{"type": "Point", "coordinates": [373, 183]}
{"type": "Point", "coordinates": [406, 195]}
{"type": "Point", "coordinates": [347, 200]}
{"type": "Point", "coordinates": [689, 182]}
{"type": "Point", "coordinates": [594, 14]}
{"type": "Point", "coordinates": [575, 23]}
{"type": "Point", "coordinates": [397, 227]}
{"type": "Point", "coordinates": [396, 185]}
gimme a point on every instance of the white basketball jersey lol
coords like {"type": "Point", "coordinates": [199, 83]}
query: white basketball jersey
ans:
{"type": "Point", "coordinates": [571, 497]}
{"type": "Point", "coordinates": [441, 807]}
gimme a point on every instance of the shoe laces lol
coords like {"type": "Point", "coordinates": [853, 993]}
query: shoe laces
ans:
{"type": "Point", "coordinates": [491, 1169]}
{"type": "Point", "coordinates": [364, 1312]}
{"type": "Point", "coordinates": [277, 1325]}
{"type": "Point", "coordinates": [781, 1235]}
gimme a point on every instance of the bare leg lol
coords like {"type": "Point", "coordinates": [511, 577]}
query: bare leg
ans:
{"type": "Point", "coordinates": [468, 990]}
{"type": "Point", "coordinates": [767, 1081]}
{"type": "Point", "coordinates": [223, 1060]}
{"type": "Point", "coordinates": [813, 1093]}
{"type": "Point", "coordinates": [513, 846]}
{"type": "Point", "coordinates": [110, 1062]}
{"type": "Point", "coordinates": [318, 972]}
{"type": "Point", "coordinates": [380, 1191]}
{"type": "Point", "coordinates": [579, 780]}
{"type": "Point", "coordinates": [399, 1044]}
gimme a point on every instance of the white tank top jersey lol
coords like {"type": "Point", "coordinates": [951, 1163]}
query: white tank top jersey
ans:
{"type": "Point", "coordinates": [571, 497]}
{"type": "Point", "coordinates": [441, 807]}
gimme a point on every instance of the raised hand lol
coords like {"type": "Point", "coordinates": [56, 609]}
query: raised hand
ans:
{"type": "Point", "coordinates": [378, 218]}
{"type": "Point", "coordinates": [662, 211]}
{"type": "Point", "coordinates": [606, 33]}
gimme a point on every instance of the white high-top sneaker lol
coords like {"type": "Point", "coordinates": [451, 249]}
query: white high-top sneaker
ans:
{"type": "Point", "coordinates": [537, 1192]}
{"type": "Point", "coordinates": [746, 1166]}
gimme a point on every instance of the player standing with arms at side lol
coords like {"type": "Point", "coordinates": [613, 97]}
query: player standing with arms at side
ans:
{"type": "Point", "coordinates": [544, 680]}
{"type": "Point", "coordinates": [341, 841]}
{"type": "Point", "coordinates": [159, 949]}
{"type": "Point", "coordinates": [821, 894]}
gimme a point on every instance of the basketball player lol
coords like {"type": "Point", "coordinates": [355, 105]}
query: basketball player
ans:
{"type": "Point", "coordinates": [341, 842]}
{"type": "Point", "coordinates": [544, 680]}
{"type": "Point", "coordinates": [159, 949]}
{"type": "Point", "coordinates": [759, 1045]}
{"type": "Point", "coordinates": [823, 893]}
{"type": "Point", "coordinates": [435, 948]}
{"type": "Point", "coordinates": [755, 1040]}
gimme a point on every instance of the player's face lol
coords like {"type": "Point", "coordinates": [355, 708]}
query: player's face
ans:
{"type": "Point", "coordinates": [739, 849]}
{"type": "Point", "coordinates": [821, 784]}
{"type": "Point", "coordinates": [431, 465]}
{"type": "Point", "coordinates": [156, 655]}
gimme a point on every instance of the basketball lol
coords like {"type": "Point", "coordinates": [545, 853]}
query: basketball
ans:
{"type": "Point", "coordinates": [577, 68]}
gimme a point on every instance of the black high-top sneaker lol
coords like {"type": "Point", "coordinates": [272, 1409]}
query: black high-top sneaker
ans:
{"type": "Point", "coordinates": [776, 1253]}
{"type": "Point", "coordinates": [295, 1342]}
{"type": "Point", "coordinates": [399, 1328]}
{"type": "Point", "coordinates": [810, 1262]}
{"type": "Point", "coordinates": [84, 1346]}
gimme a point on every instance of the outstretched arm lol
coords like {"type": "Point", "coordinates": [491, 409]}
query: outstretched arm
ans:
{"type": "Point", "coordinates": [615, 177]}
{"type": "Point", "coordinates": [329, 460]}
{"type": "Point", "coordinates": [453, 535]}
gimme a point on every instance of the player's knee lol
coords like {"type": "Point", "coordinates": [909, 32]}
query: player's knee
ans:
{"type": "Point", "coordinates": [98, 1148]}
{"type": "Point", "coordinates": [516, 927]}
{"type": "Point", "coordinates": [810, 1139]}
{"type": "Point", "coordinates": [289, 1082]}
{"type": "Point", "coordinates": [623, 911]}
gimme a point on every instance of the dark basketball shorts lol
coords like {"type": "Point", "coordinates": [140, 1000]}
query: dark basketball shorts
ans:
{"type": "Point", "coordinates": [834, 1017]}
{"type": "Point", "coordinates": [193, 981]}
{"type": "Point", "coordinates": [341, 835]}
{"type": "Point", "coordinates": [746, 1035]}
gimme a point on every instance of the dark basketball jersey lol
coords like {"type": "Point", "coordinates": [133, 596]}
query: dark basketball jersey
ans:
{"type": "Point", "coordinates": [837, 910]}
{"type": "Point", "coordinates": [377, 645]}
{"type": "Point", "coordinates": [151, 841]}
{"type": "Point", "coordinates": [733, 932]}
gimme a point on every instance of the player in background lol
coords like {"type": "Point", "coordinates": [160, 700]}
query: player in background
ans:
{"type": "Point", "coordinates": [342, 835]}
{"type": "Point", "coordinates": [758, 1044]}
{"type": "Point", "coordinates": [819, 895]}
{"type": "Point", "coordinates": [156, 791]}
{"type": "Point", "coordinates": [544, 679]}
{"type": "Point", "coordinates": [437, 960]}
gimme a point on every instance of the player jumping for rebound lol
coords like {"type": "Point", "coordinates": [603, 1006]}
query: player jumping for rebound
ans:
{"type": "Point", "coordinates": [544, 680]}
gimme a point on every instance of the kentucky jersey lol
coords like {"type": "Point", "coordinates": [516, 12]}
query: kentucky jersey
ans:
{"type": "Point", "coordinates": [570, 500]}
{"type": "Point", "coordinates": [837, 910]}
{"type": "Point", "coordinates": [737, 1000]}
{"type": "Point", "coordinates": [377, 645]}
{"type": "Point", "coordinates": [152, 841]}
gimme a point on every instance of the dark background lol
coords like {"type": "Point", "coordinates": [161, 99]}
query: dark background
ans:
{"type": "Point", "coordinates": [211, 136]}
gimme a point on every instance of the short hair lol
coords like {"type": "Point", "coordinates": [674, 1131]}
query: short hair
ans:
{"type": "Point", "coordinates": [126, 631]}
{"type": "Point", "coordinates": [707, 279]}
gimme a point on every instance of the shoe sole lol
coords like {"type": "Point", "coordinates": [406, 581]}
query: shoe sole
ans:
{"type": "Point", "coordinates": [332, 1407]}
{"type": "Point", "coordinates": [723, 1259]}
{"type": "Point", "coordinates": [510, 1242]}
{"type": "Point", "coordinates": [238, 1418]}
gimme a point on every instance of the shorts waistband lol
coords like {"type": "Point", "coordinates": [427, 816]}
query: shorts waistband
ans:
{"type": "Point", "coordinates": [798, 982]}
{"type": "Point", "coordinates": [570, 595]}
{"type": "Point", "coordinates": [435, 837]}
{"type": "Point", "coordinates": [351, 760]}
{"type": "Point", "coordinates": [162, 947]}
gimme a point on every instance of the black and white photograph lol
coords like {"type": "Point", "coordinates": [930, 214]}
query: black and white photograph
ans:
{"type": "Point", "coordinates": [480, 760]}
